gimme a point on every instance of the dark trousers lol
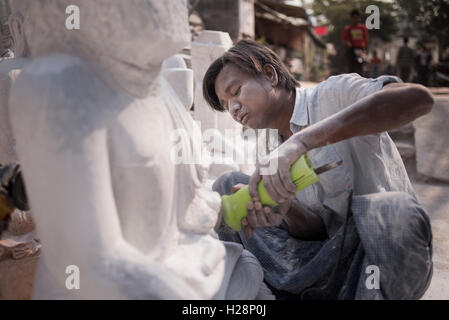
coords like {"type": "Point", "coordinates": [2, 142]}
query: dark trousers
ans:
{"type": "Point", "coordinates": [353, 65]}
{"type": "Point", "coordinates": [404, 73]}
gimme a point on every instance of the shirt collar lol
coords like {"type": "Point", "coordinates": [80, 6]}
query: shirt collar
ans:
{"type": "Point", "coordinates": [300, 117]}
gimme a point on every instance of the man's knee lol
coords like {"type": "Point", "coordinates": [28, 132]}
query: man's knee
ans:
{"type": "Point", "coordinates": [392, 215]}
{"type": "Point", "coordinates": [225, 182]}
{"type": "Point", "coordinates": [409, 218]}
{"type": "Point", "coordinates": [398, 239]}
{"type": "Point", "coordinates": [247, 278]}
{"type": "Point", "coordinates": [414, 267]}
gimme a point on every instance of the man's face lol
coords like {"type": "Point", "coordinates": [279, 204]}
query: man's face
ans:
{"type": "Point", "coordinates": [355, 19]}
{"type": "Point", "coordinates": [247, 98]}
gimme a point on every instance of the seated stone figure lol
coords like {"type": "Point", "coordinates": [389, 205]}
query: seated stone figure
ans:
{"type": "Point", "coordinates": [92, 119]}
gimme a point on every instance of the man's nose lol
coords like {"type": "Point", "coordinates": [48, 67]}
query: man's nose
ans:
{"type": "Point", "coordinates": [234, 107]}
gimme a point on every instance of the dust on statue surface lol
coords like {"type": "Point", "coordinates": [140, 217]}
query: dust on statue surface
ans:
{"type": "Point", "coordinates": [92, 120]}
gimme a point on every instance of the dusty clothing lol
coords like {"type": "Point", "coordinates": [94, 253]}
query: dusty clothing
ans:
{"type": "Point", "coordinates": [387, 228]}
{"type": "Point", "coordinates": [371, 163]}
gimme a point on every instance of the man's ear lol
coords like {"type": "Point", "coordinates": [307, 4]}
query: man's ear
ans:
{"type": "Point", "coordinates": [271, 74]}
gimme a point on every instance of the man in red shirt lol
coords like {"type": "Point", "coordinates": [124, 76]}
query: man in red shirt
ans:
{"type": "Point", "coordinates": [355, 37]}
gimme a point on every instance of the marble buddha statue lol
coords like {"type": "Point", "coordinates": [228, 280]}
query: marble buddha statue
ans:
{"type": "Point", "coordinates": [92, 119]}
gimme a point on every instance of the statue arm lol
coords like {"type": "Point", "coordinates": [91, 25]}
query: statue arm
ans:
{"type": "Point", "coordinates": [66, 169]}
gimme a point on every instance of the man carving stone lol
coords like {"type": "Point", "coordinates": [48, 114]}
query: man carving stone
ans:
{"type": "Point", "coordinates": [360, 214]}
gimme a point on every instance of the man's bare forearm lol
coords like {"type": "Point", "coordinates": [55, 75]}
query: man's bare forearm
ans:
{"type": "Point", "coordinates": [304, 224]}
{"type": "Point", "coordinates": [383, 111]}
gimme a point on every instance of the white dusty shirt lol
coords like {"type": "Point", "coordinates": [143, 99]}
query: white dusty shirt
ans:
{"type": "Point", "coordinates": [371, 163]}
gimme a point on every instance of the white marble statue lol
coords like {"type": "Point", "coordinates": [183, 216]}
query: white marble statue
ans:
{"type": "Point", "coordinates": [9, 70]}
{"type": "Point", "coordinates": [180, 78]}
{"type": "Point", "coordinates": [207, 47]}
{"type": "Point", "coordinates": [227, 146]}
{"type": "Point", "coordinates": [92, 118]}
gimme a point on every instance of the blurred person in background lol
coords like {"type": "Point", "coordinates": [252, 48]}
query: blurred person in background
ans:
{"type": "Point", "coordinates": [296, 67]}
{"type": "Point", "coordinates": [404, 61]}
{"type": "Point", "coordinates": [375, 64]}
{"type": "Point", "coordinates": [355, 38]}
{"type": "Point", "coordinates": [423, 63]}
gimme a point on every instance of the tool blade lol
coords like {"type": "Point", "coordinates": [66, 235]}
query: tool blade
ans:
{"type": "Point", "coordinates": [328, 167]}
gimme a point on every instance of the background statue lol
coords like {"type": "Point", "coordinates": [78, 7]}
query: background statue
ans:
{"type": "Point", "coordinates": [19, 247]}
{"type": "Point", "coordinates": [9, 70]}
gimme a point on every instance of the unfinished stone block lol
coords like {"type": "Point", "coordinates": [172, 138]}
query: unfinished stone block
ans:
{"type": "Point", "coordinates": [205, 49]}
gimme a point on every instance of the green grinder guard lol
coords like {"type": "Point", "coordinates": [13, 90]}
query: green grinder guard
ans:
{"type": "Point", "coordinates": [234, 206]}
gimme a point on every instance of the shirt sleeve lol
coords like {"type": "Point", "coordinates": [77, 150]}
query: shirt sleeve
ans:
{"type": "Point", "coordinates": [350, 88]}
{"type": "Point", "coordinates": [339, 92]}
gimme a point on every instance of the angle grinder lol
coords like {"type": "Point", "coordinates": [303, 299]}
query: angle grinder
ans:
{"type": "Point", "coordinates": [233, 207]}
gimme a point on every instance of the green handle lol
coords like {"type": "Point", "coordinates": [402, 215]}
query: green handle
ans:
{"type": "Point", "coordinates": [234, 206]}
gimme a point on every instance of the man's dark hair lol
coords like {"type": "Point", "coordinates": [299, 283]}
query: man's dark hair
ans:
{"type": "Point", "coordinates": [355, 12]}
{"type": "Point", "coordinates": [250, 57]}
{"type": "Point", "coordinates": [405, 40]}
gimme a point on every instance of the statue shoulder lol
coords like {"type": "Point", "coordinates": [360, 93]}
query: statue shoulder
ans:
{"type": "Point", "coordinates": [63, 94]}
{"type": "Point", "coordinates": [46, 79]}
{"type": "Point", "coordinates": [63, 84]}
{"type": "Point", "coordinates": [53, 65]}
{"type": "Point", "coordinates": [64, 78]}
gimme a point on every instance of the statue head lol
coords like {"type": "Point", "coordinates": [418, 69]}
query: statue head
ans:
{"type": "Point", "coordinates": [126, 41]}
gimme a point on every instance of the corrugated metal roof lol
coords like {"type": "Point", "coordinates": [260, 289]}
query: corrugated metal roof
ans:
{"type": "Point", "coordinates": [279, 13]}
{"type": "Point", "coordinates": [288, 10]}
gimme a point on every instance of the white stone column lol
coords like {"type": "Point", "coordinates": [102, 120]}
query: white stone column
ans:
{"type": "Point", "coordinates": [205, 49]}
{"type": "Point", "coordinates": [175, 71]}
{"type": "Point", "coordinates": [228, 144]}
